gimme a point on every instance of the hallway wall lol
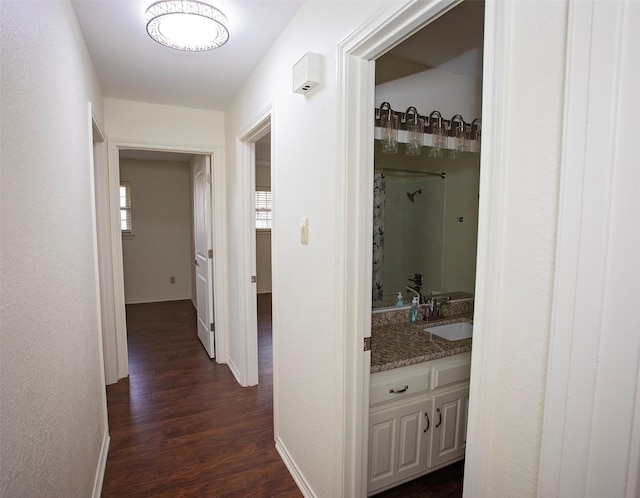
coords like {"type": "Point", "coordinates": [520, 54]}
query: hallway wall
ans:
{"type": "Point", "coordinates": [305, 181]}
{"type": "Point", "coordinates": [309, 336]}
{"type": "Point", "coordinates": [52, 397]}
{"type": "Point", "coordinates": [164, 125]}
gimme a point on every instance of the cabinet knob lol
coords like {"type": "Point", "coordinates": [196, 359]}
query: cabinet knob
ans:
{"type": "Point", "coordinates": [396, 391]}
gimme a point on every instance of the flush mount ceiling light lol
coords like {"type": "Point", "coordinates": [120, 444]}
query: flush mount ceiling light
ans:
{"type": "Point", "coordinates": [186, 25]}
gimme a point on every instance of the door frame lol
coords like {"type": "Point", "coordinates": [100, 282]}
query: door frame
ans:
{"type": "Point", "coordinates": [97, 160]}
{"type": "Point", "coordinates": [247, 373]}
{"type": "Point", "coordinates": [117, 353]}
{"type": "Point", "coordinates": [585, 329]}
{"type": "Point", "coordinates": [390, 25]}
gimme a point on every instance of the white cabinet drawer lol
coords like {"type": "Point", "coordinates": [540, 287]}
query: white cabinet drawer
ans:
{"type": "Point", "coordinates": [450, 370]}
{"type": "Point", "coordinates": [398, 383]}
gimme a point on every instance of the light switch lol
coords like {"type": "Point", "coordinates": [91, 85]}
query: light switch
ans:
{"type": "Point", "coordinates": [304, 231]}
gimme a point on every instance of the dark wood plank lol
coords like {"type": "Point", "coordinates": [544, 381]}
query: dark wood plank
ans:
{"type": "Point", "coordinates": [443, 483]}
{"type": "Point", "coordinates": [181, 425]}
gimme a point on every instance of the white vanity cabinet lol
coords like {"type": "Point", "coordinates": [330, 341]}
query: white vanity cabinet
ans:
{"type": "Point", "coordinates": [397, 424]}
{"type": "Point", "coordinates": [449, 430]}
{"type": "Point", "coordinates": [417, 419]}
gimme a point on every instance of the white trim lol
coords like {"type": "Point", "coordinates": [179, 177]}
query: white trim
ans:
{"type": "Point", "coordinates": [96, 136]}
{"type": "Point", "coordinates": [235, 371]}
{"type": "Point", "coordinates": [162, 299]}
{"type": "Point", "coordinates": [393, 23]}
{"type": "Point", "coordinates": [493, 173]}
{"type": "Point", "coordinates": [298, 477]}
{"type": "Point", "coordinates": [117, 263]}
{"type": "Point", "coordinates": [102, 465]}
{"type": "Point", "coordinates": [568, 244]}
{"type": "Point", "coordinates": [248, 319]}
{"type": "Point", "coordinates": [581, 383]}
{"type": "Point", "coordinates": [258, 127]}
{"type": "Point", "coordinates": [103, 227]}
{"type": "Point", "coordinates": [220, 262]}
{"type": "Point", "coordinates": [633, 472]}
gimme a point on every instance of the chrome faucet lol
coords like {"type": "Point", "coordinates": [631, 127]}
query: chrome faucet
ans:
{"type": "Point", "coordinates": [416, 292]}
{"type": "Point", "coordinates": [430, 308]}
{"type": "Point", "coordinates": [433, 306]}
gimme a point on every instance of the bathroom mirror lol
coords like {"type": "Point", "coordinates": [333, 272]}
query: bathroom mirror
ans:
{"type": "Point", "coordinates": [424, 224]}
{"type": "Point", "coordinates": [425, 227]}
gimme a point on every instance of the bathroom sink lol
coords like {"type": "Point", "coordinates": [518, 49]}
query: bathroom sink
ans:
{"type": "Point", "coordinates": [452, 331]}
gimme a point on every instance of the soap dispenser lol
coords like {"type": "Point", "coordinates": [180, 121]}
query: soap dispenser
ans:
{"type": "Point", "coordinates": [414, 309]}
{"type": "Point", "coordinates": [399, 302]}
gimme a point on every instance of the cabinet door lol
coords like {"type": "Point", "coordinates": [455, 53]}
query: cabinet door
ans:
{"type": "Point", "coordinates": [397, 443]}
{"type": "Point", "coordinates": [449, 417]}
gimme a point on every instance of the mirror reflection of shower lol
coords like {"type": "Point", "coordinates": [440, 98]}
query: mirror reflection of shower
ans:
{"type": "Point", "coordinates": [412, 196]}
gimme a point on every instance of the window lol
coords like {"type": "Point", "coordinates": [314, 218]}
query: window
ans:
{"type": "Point", "coordinates": [263, 209]}
{"type": "Point", "coordinates": [125, 207]}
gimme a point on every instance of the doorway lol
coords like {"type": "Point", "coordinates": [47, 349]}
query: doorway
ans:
{"type": "Point", "coordinates": [116, 353]}
{"type": "Point", "coordinates": [357, 53]}
{"type": "Point", "coordinates": [254, 140]}
{"type": "Point", "coordinates": [166, 237]}
{"type": "Point", "coordinates": [426, 194]}
{"type": "Point", "coordinates": [263, 231]}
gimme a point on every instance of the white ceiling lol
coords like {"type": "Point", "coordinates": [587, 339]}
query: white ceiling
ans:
{"type": "Point", "coordinates": [453, 42]}
{"type": "Point", "coordinates": [131, 66]}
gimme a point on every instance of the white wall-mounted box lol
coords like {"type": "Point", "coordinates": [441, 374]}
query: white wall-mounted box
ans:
{"type": "Point", "coordinates": [306, 73]}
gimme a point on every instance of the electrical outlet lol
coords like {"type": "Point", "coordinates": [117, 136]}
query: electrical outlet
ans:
{"type": "Point", "coordinates": [172, 280]}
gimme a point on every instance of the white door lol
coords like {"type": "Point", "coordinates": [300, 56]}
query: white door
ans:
{"type": "Point", "coordinates": [203, 260]}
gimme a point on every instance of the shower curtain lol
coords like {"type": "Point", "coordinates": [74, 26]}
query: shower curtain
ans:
{"type": "Point", "coordinates": [378, 234]}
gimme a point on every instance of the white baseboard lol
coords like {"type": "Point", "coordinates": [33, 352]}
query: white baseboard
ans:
{"type": "Point", "coordinates": [158, 299]}
{"type": "Point", "coordinates": [102, 464]}
{"type": "Point", "coordinates": [303, 485]}
{"type": "Point", "coordinates": [235, 372]}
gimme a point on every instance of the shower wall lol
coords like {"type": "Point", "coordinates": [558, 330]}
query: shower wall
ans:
{"type": "Point", "coordinates": [414, 233]}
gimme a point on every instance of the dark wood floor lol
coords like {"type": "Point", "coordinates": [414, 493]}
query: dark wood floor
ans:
{"type": "Point", "coordinates": [443, 483]}
{"type": "Point", "coordinates": [181, 426]}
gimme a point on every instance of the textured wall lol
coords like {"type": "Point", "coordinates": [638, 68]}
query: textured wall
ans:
{"type": "Point", "coordinates": [519, 296]}
{"type": "Point", "coordinates": [167, 125]}
{"type": "Point", "coordinates": [52, 395]}
{"type": "Point", "coordinates": [160, 246]}
{"type": "Point", "coordinates": [304, 278]}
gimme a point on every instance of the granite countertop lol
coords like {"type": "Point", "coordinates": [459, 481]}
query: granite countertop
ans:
{"type": "Point", "coordinates": [401, 344]}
